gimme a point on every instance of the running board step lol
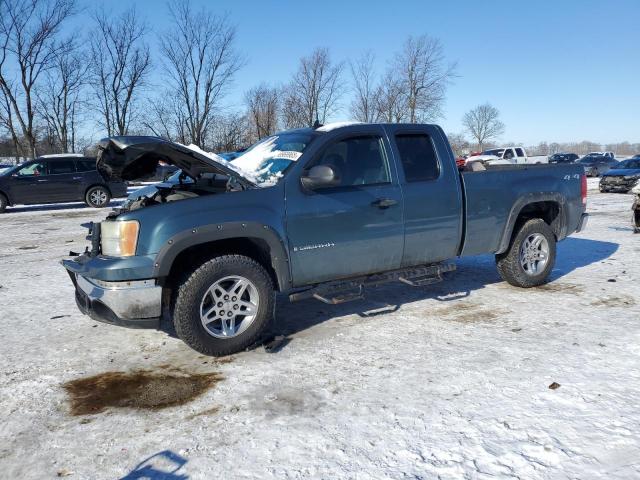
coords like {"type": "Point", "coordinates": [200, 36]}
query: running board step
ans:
{"type": "Point", "coordinates": [421, 281]}
{"type": "Point", "coordinates": [348, 290]}
{"type": "Point", "coordinates": [341, 297]}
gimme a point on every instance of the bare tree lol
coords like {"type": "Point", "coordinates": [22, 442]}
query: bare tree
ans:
{"type": "Point", "coordinates": [459, 144]}
{"type": "Point", "coordinates": [28, 31]}
{"type": "Point", "coordinates": [201, 60]}
{"type": "Point", "coordinates": [59, 101]}
{"type": "Point", "coordinates": [262, 109]}
{"type": "Point", "coordinates": [483, 123]}
{"type": "Point", "coordinates": [164, 118]}
{"type": "Point", "coordinates": [314, 91]}
{"type": "Point", "coordinates": [425, 76]}
{"type": "Point", "coordinates": [120, 65]}
{"type": "Point", "coordinates": [230, 133]}
{"type": "Point", "coordinates": [390, 99]}
{"type": "Point", "coordinates": [363, 105]}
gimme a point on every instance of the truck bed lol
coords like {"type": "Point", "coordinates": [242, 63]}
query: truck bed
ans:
{"type": "Point", "coordinates": [494, 197]}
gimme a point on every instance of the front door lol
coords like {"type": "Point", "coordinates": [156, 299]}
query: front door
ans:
{"type": "Point", "coordinates": [352, 228]}
{"type": "Point", "coordinates": [29, 184]}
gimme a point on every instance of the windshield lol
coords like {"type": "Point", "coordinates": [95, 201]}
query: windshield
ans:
{"type": "Point", "coordinates": [497, 152]}
{"type": "Point", "coordinates": [266, 161]}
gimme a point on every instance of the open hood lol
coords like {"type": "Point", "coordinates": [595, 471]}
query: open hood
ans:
{"type": "Point", "coordinates": [132, 157]}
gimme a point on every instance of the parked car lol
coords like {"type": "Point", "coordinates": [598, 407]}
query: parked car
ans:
{"type": "Point", "coordinates": [595, 164]}
{"type": "Point", "coordinates": [312, 213]}
{"type": "Point", "coordinates": [501, 156]}
{"type": "Point", "coordinates": [621, 178]}
{"type": "Point", "coordinates": [56, 179]}
{"type": "Point", "coordinates": [604, 154]}
{"type": "Point", "coordinates": [563, 158]}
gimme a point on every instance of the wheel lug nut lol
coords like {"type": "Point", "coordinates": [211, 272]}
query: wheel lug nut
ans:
{"type": "Point", "coordinates": [235, 307]}
{"type": "Point", "coordinates": [219, 304]}
{"type": "Point", "coordinates": [229, 314]}
{"type": "Point", "coordinates": [234, 299]}
{"type": "Point", "coordinates": [221, 312]}
{"type": "Point", "coordinates": [226, 297]}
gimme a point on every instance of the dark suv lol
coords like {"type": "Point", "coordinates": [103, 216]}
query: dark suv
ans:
{"type": "Point", "coordinates": [59, 178]}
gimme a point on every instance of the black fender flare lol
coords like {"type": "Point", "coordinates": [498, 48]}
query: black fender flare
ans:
{"type": "Point", "coordinates": [528, 199]}
{"type": "Point", "coordinates": [222, 231]}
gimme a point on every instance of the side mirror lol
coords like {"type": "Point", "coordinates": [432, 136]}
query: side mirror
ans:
{"type": "Point", "coordinates": [320, 176]}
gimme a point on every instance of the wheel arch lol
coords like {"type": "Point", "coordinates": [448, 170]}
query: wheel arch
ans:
{"type": "Point", "coordinates": [191, 248]}
{"type": "Point", "coordinates": [550, 207]}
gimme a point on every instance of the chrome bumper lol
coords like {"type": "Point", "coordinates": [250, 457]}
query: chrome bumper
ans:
{"type": "Point", "coordinates": [135, 303]}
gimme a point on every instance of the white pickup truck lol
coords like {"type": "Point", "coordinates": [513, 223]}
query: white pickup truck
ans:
{"type": "Point", "coordinates": [504, 156]}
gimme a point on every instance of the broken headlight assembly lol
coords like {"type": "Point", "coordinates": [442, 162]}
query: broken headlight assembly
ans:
{"type": "Point", "coordinates": [119, 238]}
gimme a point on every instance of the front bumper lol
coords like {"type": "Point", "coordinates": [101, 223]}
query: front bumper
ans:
{"type": "Point", "coordinates": [133, 304]}
{"type": "Point", "coordinates": [616, 184]}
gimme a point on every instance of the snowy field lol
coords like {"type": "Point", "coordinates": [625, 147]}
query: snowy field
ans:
{"type": "Point", "coordinates": [449, 381]}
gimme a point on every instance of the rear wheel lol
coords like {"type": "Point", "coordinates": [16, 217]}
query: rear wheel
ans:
{"type": "Point", "coordinates": [97, 197]}
{"type": "Point", "coordinates": [3, 203]}
{"type": "Point", "coordinates": [224, 305]}
{"type": "Point", "coordinates": [530, 257]}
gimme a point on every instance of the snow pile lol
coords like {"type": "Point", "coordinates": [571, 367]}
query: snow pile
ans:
{"type": "Point", "coordinates": [332, 126]}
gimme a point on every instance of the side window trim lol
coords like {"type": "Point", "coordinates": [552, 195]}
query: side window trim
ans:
{"type": "Point", "coordinates": [416, 132]}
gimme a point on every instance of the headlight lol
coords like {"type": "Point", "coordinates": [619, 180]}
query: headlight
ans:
{"type": "Point", "coordinates": [119, 239]}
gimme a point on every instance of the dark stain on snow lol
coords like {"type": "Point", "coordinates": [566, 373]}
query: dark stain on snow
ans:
{"type": "Point", "coordinates": [138, 389]}
{"type": "Point", "coordinates": [561, 287]}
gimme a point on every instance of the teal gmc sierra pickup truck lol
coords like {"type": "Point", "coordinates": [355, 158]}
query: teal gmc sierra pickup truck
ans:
{"type": "Point", "coordinates": [319, 212]}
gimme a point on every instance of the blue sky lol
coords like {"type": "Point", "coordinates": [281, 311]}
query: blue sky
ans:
{"type": "Point", "coordinates": [557, 71]}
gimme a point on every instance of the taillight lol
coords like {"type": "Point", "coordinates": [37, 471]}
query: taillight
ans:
{"type": "Point", "coordinates": [584, 189]}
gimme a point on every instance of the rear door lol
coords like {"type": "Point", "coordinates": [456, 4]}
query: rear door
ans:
{"type": "Point", "coordinates": [432, 193]}
{"type": "Point", "coordinates": [353, 228]}
{"type": "Point", "coordinates": [520, 156]}
{"type": "Point", "coordinates": [64, 182]}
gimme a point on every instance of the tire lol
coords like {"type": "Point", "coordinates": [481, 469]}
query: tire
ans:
{"type": "Point", "coordinates": [97, 197]}
{"type": "Point", "coordinates": [595, 173]}
{"type": "Point", "coordinates": [3, 203]}
{"type": "Point", "coordinates": [195, 294]}
{"type": "Point", "coordinates": [511, 267]}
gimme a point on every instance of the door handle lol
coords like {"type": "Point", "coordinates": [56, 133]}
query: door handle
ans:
{"type": "Point", "coordinates": [384, 202]}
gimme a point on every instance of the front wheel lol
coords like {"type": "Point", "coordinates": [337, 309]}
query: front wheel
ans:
{"type": "Point", "coordinates": [97, 197]}
{"type": "Point", "coordinates": [3, 203]}
{"type": "Point", "coordinates": [224, 305]}
{"type": "Point", "coordinates": [530, 257]}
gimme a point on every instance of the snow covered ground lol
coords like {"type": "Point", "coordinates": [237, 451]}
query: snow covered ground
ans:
{"type": "Point", "coordinates": [450, 381]}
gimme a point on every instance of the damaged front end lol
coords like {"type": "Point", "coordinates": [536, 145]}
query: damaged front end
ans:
{"type": "Point", "coordinates": [133, 157]}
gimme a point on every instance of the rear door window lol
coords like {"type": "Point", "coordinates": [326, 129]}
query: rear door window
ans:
{"type": "Point", "coordinates": [418, 157]}
{"type": "Point", "coordinates": [519, 152]}
{"type": "Point", "coordinates": [57, 167]}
